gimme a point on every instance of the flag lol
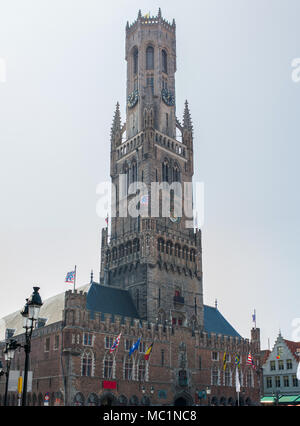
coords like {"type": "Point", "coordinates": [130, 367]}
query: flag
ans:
{"type": "Point", "coordinates": [106, 220]}
{"type": "Point", "coordinates": [250, 360]}
{"type": "Point", "coordinates": [237, 360]}
{"type": "Point", "coordinates": [237, 381]}
{"type": "Point", "coordinates": [254, 317]}
{"type": "Point", "coordinates": [144, 200]}
{"type": "Point", "coordinates": [70, 277]}
{"type": "Point", "coordinates": [147, 15]}
{"type": "Point", "coordinates": [135, 346]}
{"type": "Point", "coordinates": [298, 372]}
{"type": "Point", "coordinates": [224, 361]}
{"type": "Point", "coordinates": [115, 344]}
{"type": "Point", "coordinates": [148, 352]}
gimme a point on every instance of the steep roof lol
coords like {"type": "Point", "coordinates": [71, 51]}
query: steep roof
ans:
{"type": "Point", "coordinates": [110, 300]}
{"type": "Point", "coordinates": [214, 322]}
{"type": "Point", "coordinates": [294, 347]}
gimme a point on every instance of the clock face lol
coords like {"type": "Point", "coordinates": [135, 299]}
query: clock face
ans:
{"type": "Point", "coordinates": [168, 97]}
{"type": "Point", "coordinates": [133, 98]}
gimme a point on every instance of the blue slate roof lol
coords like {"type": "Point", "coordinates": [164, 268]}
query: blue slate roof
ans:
{"type": "Point", "coordinates": [214, 322]}
{"type": "Point", "coordinates": [112, 300]}
{"type": "Point", "coordinates": [116, 301]}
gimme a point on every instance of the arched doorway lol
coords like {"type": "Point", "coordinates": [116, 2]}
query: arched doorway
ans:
{"type": "Point", "coordinates": [180, 402]}
{"type": "Point", "coordinates": [107, 399]}
{"type": "Point", "coordinates": [183, 399]}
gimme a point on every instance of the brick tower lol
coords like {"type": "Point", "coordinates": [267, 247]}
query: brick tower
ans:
{"type": "Point", "coordinates": [156, 257]}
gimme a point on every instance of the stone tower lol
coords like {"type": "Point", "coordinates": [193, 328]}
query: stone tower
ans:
{"type": "Point", "coordinates": [156, 257]}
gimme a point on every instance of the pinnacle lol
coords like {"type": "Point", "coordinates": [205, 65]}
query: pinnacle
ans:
{"type": "Point", "coordinates": [116, 125]}
{"type": "Point", "coordinates": [187, 121]}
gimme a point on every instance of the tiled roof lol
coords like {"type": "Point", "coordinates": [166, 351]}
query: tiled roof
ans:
{"type": "Point", "coordinates": [294, 347]}
{"type": "Point", "coordinates": [214, 322]}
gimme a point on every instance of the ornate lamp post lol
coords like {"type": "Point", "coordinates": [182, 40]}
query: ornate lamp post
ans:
{"type": "Point", "coordinates": [9, 353]}
{"type": "Point", "coordinates": [208, 392]}
{"type": "Point", "coordinates": [30, 315]}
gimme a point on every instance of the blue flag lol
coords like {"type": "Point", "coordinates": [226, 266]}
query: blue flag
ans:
{"type": "Point", "coordinates": [135, 346]}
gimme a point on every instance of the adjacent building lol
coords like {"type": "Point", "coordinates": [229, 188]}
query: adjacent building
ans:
{"type": "Point", "coordinates": [280, 383]}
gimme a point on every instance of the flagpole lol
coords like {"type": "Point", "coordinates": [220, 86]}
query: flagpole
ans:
{"type": "Point", "coordinates": [74, 278]}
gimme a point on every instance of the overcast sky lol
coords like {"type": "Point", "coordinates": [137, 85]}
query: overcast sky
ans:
{"type": "Point", "coordinates": [65, 71]}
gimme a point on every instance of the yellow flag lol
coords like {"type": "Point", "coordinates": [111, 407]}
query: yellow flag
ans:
{"type": "Point", "coordinates": [224, 361]}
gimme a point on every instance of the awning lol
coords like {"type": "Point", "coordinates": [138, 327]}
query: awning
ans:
{"type": "Point", "coordinates": [267, 400]}
{"type": "Point", "coordinates": [289, 398]}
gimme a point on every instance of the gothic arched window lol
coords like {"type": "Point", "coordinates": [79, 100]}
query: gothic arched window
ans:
{"type": "Point", "coordinates": [135, 61]}
{"type": "Point", "coordinates": [150, 58]}
{"type": "Point", "coordinates": [164, 61]}
{"type": "Point", "coordinates": [108, 367]}
{"type": "Point", "coordinates": [87, 364]}
{"type": "Point", "coordinates": [128, 368]}
{"type": "Point", "coordinates": [141, 370]}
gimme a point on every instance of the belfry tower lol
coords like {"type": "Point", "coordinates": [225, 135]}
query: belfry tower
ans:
{"type": "Point", "coordinates": [156, 258]}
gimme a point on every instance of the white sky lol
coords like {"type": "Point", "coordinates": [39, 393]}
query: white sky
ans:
{"type": "Point", "coordinates": [65, 71]}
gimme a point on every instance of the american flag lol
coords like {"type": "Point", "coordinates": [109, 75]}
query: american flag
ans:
{"type": "Point", "coordinates": [115, 344]}
{"type": "Point", "coordinates": [70, 277]}
{"type": "Point", "coordinates": [250, 360]}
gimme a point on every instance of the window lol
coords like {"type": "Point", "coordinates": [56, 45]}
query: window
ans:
{"type": "Point", "coordinates": [286, 382]}
{"type": "Point", "coordinates": [150, 58]}
{"type": "Point", "coordinates": [272, 365]}
{"type": "Point", "coordinates": [128, 368]}
{"type": "Point", "coordinates": [227, 377]}
{"type": "Point", "coordinates": [47, 344]}
{"type": "Point", "coordinates": [289, 364]}
{"type": "Point", "coordinates": [280, 365]}
{"type": "Point", "coordinates": [141, 370]}
{"type": "Point", "coordinates": [87, 339]}
{"type": "Point", "coordinates": [86, 364]}
{"type": "Point", "coordinates": [127, 344]}
{"type": "Point", "coordinates": [142, 347]}
{"type": "Point", "coordinates": [73, 339]}
{"type": "Point", "coordinates": [108, 342]}
{"type": "Point", "coordinates": [279, 350]}
{"type": "Point", "coordinates": [108, 367]}
{"type": "Point", "coordinates": [164, 61]}
{"type": "Point", "coordinates": [135, 60]}
{"type": "Point", "coordinates": [165, 83]}
{"type": "Point", "coordinates": [215, 376]}
{"type": "Point", "coordinates": [295, 380]}
{"type": "Point", "coordinates": [277, 381]}
{"type": "Point", "coordinates": [162, 354]}
{"type": "Point", "coordinates": [215, 356]}
{"type": "Point", "coordinates": [269, 382]}
{"type": "Point", "coordinates": [56, 342]}
{"type": "Point", "coordinates": [249, 379]}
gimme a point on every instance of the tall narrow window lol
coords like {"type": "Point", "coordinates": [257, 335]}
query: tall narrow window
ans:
{"type": "Point", "coordinates": [164, 62]}
{"type": "Point", "coordinates": [150, 58]}
{"type": "Point", "coordinates": [135, 60]}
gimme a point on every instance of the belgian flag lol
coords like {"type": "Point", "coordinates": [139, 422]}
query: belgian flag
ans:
{"type": "Point", "coordinates": [148, 352]}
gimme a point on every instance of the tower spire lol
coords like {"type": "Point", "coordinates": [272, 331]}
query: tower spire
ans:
{"type": "Point", "coordinates": [187, 121]}
{"type": "Point", "coordinates": [116, 124]}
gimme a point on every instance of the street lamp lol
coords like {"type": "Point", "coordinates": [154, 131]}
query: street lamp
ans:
{"type": "Point", "coordinates": [208, 392]}
{"type": "Point", "coordinates": [30, 314]}
{"type": "Point", "coordinates": [9, 353]}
